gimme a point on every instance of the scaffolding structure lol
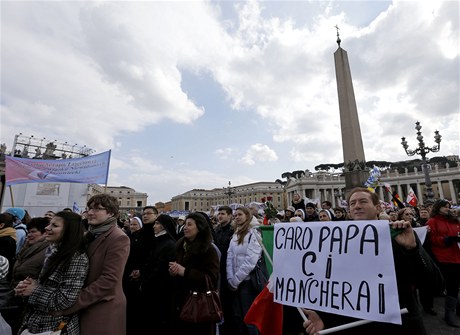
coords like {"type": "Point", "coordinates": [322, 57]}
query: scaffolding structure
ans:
{"type": "Point", "coordinates": [42, 148]}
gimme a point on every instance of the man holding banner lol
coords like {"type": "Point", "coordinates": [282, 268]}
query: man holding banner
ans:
{"type": "Point", "coordinates": [412, 266]}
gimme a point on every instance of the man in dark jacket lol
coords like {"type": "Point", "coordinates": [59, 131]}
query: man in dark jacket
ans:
{"type": "Point", "coordinates": [224, 233]}
{"type": "Point", "coordinates": [413, 268]}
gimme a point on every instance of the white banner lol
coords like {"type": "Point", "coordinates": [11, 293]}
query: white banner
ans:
{"type": "Point", "coordinates": [343, 268]}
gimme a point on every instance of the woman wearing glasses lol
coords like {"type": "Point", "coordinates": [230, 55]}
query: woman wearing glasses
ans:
{"type": "Point", "coordinates": [300, 213]}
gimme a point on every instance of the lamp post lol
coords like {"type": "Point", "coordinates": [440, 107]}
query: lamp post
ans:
{"type": "Point", "coordinates": [229, 192]}
{"type": "Point", "coordinates": [422, 150]}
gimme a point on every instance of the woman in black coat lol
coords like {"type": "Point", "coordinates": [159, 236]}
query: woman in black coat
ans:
{"type": "Point", "coordinates": [196, 258]}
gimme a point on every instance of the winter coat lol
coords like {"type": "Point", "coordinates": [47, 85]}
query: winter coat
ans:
{"type": "Point", "coordinates": [29, 262]}
{"type": "Point", "coordinates": [56, 293]}
{"type": "Point", "coordinates": [102, 303]}
{"type": "Point", "coordinates": [157, 286]}
{"type": "Point", "coordinates": [241, 259]}
{"type": "Point", "coordinates": [441, 226]}
{"type": "Point", "coordinates": [203, 261]}
{"type": "Point", "coordinates": [224, 235]}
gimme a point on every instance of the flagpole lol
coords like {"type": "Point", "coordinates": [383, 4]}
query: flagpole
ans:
{"type": "Point", "coordinates": [351, 325]}
{"type": "Point", "coordinates": [11, 195]}
{"type": "Point", "coordinates": [267, 256]}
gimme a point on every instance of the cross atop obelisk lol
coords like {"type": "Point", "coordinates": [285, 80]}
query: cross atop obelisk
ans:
{"type": "Point", "coordinates": [355, 170]}
{"type": "Point", "coordinates": [338, 36]}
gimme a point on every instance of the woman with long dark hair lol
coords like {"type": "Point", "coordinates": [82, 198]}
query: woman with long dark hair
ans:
{"type": "Point", "coordinates": [102, 303]}
{"type": "Point", "coordinates": [62, 276]}
{"type": "Point", "coordinates": [445, 237]}
{"type": "Point", "coordinates": [196, 259]}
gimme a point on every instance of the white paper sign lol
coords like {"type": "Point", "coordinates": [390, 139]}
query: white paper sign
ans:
{"type": "Point", "coordinates": [340, 267]}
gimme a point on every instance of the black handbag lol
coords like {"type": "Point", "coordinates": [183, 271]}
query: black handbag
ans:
{"type": "Point", "coordinates": [259, 275]}
{"type": "Point", "coordinates": [202, 306]}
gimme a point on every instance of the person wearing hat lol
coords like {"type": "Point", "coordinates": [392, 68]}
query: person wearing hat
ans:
{"type": "Point", "coordinates": [288, 213]}
{"type": "Point", "coordinates": [310, 212]}
{"type": "Point", "coordinates": [19, 224]}
{"type": "Point", "coordinates": [300, 213]}
{"type": "Point", "coordinates": [325, 215]}
{"type": "Point", "coordinates": [156, 282]}
{"type": "Point", "coordinates": [180, 226]}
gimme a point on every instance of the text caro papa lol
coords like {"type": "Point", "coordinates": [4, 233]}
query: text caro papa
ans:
{"type": "Point", "coordinates": [336, 239]}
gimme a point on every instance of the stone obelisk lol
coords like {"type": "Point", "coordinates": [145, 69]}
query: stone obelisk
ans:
{"type": "Point", "coordinates": [355, 170]}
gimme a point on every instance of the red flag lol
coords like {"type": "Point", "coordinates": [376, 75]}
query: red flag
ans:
{"type": "Point", "coordinates": [411, 198]}
{"type": "Point", "coordinates": [266, 314]}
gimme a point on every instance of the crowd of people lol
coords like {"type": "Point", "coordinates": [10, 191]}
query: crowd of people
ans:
{"type": "Point", "coordinates": [92, 273]}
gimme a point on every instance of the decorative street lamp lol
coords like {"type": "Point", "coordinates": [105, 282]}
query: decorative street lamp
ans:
{"type": "Point", "coordinates": [229, 192]}
{"type": "Point", "coordinates": [422, 150]}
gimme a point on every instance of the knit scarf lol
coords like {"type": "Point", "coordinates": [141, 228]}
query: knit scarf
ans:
{"type": "Point", "coordinates": [97, 230]}
{"type": "Point", "coordinates": [8, 231]}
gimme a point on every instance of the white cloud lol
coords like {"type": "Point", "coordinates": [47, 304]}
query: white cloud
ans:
{"type": "Point", "coordinates": [259, 153]}
{"type": "Point", "coordinates": [111, 74]}
{"type": "Point", "coordinates": [225, 153]}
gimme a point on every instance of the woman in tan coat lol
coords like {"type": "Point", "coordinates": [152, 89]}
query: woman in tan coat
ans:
{"type": "Point", "coordinates": [102, 303]}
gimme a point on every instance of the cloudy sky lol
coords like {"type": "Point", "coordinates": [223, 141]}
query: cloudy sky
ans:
{"type": "Point", "coordinates": [195, 94]}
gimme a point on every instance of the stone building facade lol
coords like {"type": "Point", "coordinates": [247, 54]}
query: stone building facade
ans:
{"type": "Point", "coordinates": [128, 198]}
{"type": "Point", "coordinates": [321, 186]}
{"type": "Point", "coordinates": [330, 186]}
{"type": "Point", "coordinates": [204, 200]}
